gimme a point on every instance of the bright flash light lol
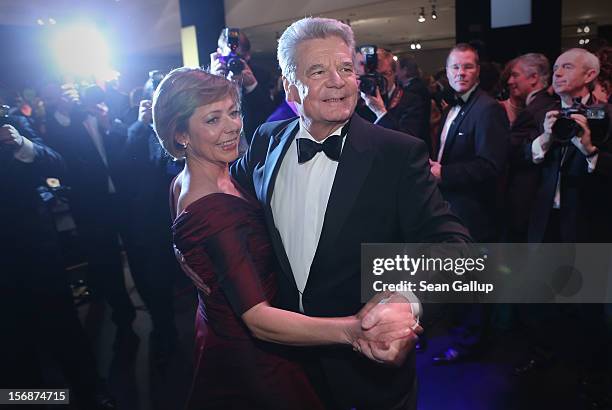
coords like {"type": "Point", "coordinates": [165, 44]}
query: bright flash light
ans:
{"type": "Point", "coordinates": [80, 50]}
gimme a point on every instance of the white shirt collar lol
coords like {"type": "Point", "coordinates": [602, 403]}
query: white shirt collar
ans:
{"type": "Point", "coordinates": [303, 133]}
{"type": "Point", "coordinates": [466, 95]}
{"type": "Point", "coordinates": [584, 100]}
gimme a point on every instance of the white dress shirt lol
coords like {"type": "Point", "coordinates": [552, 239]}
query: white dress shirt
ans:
{"type": "Point", "coordinates": [452, 114]}
{"type": "Point", "coordinates": [541, 145]}
{"type": "Point", "coordinates": [299, 201]}
{"type": "Point", "coordinates": [91, 125]}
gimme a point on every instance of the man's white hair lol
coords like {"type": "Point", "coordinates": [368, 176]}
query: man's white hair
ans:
{"type": "Point", "coordinates": [309, 28]}
{"type": "Point", "coordinates": [590, 60]}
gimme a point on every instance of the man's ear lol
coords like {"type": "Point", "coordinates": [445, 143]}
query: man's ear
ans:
{"type": "Point", "coordinates": [591, 75]}
{"type": "Point", "coordinates": [291, 92]}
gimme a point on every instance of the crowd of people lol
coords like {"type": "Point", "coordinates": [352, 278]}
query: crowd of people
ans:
{"type": "Point", "coordinates": [271, 196]}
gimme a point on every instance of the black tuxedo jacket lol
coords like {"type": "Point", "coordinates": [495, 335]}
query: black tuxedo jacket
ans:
{"type": "Point", "coordinates": [411, 115]}
{"type": "Point", "coordinates": [473, 160]}
{"type": "Point", "coordinates": [586, 198]}
{"type": "Point", "coordinates": [523, 175]}
{"type": "Point", "coordinates": [87, 174]}
{"type": "Point", "coordinates": [382, 192]}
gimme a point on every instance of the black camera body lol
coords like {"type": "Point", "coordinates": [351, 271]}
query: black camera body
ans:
{"type": "Point", "coordinates": [565, 128]}
{"type": "Point", "coordinates": [371, 80]}
{"type": "Point", "coordinates": [232, 60]}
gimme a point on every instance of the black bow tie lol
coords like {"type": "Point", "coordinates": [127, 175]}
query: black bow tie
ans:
{"type": "Point", "coordinates": [307, 148]}
{"type": "Point", "coordinates": [458, 101]}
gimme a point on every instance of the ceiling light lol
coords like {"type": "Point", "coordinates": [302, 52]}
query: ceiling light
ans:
{"type": "Point", "coordinates": [395, 58]}
{"type": "Point", "coordinates": [418, 46]}
{"type": "Point", "coordinates": [587, 29]}
{"type": "Point", "coordinates": [434, 15]}
{"type": "Point", "coordinates": [579, 30]}
{"type": "Point", "coordinates": [586, 41]}
{"type": "Point", "coordinates": [412, 46]}
{"type": "Point", "coordinates": [52, 21]}
{"type": "Point", "coordinates": [581, 41]}
{"type": "Point", "coordinates": [40, 22]}
{"type": "Point", "coordinates": [421, 18]}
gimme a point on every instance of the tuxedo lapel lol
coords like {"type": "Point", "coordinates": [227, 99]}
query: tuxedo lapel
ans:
{"type": "Point", "coordinates": [353, 168]}
{"type": "Point", "coordinates": [279, 144]}
{"type": "Point", "coordinates": [452, 130]}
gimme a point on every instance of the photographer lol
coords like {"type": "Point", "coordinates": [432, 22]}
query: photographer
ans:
{"type": "Point", "coordinates": [38, 313]}
{"type": "Point", "coordinates": [573, 200]}
{"type": "Point", "coordinates": [573, 203]}
{"type": "Point", "coordinates": [231, 60]}
{"type": "Point", "coordinates": [396, 107]}
{"type": "Point", "coordinates": [81, 132]}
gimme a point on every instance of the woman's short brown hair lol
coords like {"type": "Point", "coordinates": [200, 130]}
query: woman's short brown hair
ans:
{"type": "Point", "coordinates": [178, 95]}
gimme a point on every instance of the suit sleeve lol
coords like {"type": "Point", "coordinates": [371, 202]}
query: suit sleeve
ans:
{"type": "Point", "coordinates": [491, 146]}
{"type": "Point", "coordinates": [427, 217]}
{"type": "Point", "coordinates": [235, 271]}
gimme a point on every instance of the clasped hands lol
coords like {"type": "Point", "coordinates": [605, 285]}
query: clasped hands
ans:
{"type": "Point", "coordinates": [388, 330]}
{"type": "Point", "coordinates": [384, 330]}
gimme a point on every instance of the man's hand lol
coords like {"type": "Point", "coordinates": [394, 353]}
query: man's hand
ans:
{"type": "Point", "coordinates": [195, 278]}
{"type": "Point", "coordinates": [436, 170]}
{"type": "Point", "coordinates": [144, 112]}
{"type": "Point", "coordinates": [246, 78]}
{"type": "Point", "coordinates": [217, 66]}
{"type": "Point", "coordinates": [549, 120]}
{"type": "Point", "coordinates": [10, 137]}
{"type": "Point", "coordinates": [375, 103]}
{"type": "Point", "coordinates": [585, 138]}
{"type": "Point", "coordinates": [390, 330]}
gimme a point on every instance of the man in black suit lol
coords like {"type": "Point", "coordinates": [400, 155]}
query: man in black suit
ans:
{"type": "Point", "coordinates": [574, 199]}
{"type": "Point", "coordinates": [398, 108]}
{"type": "Point", "coordinates": [473, 146]}
{"type": "Point", "coordinates": [36, 306]}
{"type": "Point", "coordinates": [572, 203]}
{"type": "Point", "coordinates": [528, 81]}
{"type": "Point", "coordinates": [418, 99]}
{"type": "Point", "coordinates": [91, 151]}
{"type": "Point", "coordinates": [368, 185]}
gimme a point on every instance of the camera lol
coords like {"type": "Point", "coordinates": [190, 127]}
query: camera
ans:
{"type": "Point", "coordinates": [565, 128]}
{"type": "Point", "coordinates": [232, 60]}
{"type": "Point", "coordinates": [4, 115]}
{"type": "Point", "coordinates": [371, 80]}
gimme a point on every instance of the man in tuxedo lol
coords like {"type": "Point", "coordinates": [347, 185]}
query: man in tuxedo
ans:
{"type": "Point", "coordinates": [82, 135]}
{"type": "Point", "coordinates": [368, 184]}
{"type": "Point", "coordinates": [573, 203]}
{"type": "Point", "coordinates": [473, 146]}
{"type": "Point", "coordinates": [36, 305]}
{"type": "Point", "coordinates": [528, 82]}
{"type": "Point", "coordinates": [399, 108]}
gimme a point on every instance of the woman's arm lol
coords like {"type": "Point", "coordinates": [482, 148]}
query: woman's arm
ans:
{"type": "Point", "coordinates": [281, 326]}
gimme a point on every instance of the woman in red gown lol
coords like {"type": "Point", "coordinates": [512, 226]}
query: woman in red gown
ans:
{"type": "Point", "coordinates": [220, 231]}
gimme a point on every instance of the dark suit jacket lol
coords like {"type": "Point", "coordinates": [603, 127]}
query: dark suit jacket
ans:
{"type": "Point", "coordinates": [411, 115]}
{"type": "Point", "coordinates": [523, 175]}
{"type": "Point", "coordinates": [257, 105]}
{"type": "Point", "coordinates": [87, 174]}
{"type": "Point", "coordinates": [473, 160]}
{"type": "Point", "coordinates": [382, 192]}
{"type": "Point", "coordinates": [586, 198]}
{"type": "Point", "coordinates": [29, 251]}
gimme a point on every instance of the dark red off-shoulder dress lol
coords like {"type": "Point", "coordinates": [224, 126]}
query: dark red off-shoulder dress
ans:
{"type": "Point", "coordinates": [224, 240]}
